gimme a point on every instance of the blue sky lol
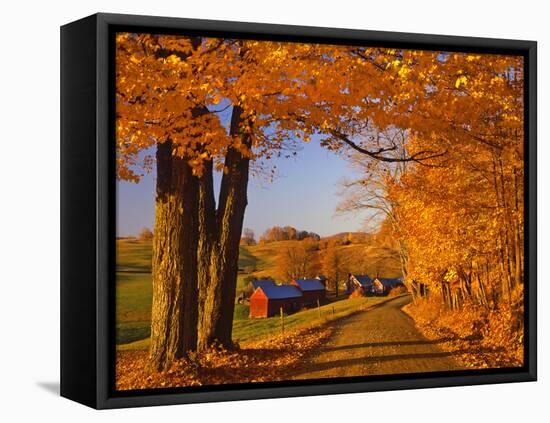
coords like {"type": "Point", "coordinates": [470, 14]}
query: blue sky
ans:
{"type": "Point", "coordinates": [304, 194]}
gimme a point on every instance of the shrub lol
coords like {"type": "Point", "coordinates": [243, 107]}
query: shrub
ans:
{"type": "Point", "coordinates": [145, 235]}
{"type": "Point", "coordinates": [358, 293]}
{"type": "Point", "coordinates": [398, 290]}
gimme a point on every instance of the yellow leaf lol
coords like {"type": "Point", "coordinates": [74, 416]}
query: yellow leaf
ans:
{"type": "Point", "coordinates": [461, 80]}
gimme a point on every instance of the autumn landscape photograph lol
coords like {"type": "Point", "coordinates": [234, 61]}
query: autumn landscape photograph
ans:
{"type": "Point", "coordinates": [293, 211]}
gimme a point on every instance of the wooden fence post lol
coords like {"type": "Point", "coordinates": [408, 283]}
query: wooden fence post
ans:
{"type": "Point", "coordinates": [282, 320]}
{"type": "Point", "coordinates": [319, 308]}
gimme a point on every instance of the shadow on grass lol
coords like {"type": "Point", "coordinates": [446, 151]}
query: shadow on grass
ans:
{"type": "Point", "coordinates": [126, 334]}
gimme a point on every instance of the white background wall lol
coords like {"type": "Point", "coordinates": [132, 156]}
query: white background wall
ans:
{"type": "Point", "coordinates": [29, 212]}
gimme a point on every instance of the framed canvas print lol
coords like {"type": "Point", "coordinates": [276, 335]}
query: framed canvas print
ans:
{"type": "Point", "coordinates": [257, 211]}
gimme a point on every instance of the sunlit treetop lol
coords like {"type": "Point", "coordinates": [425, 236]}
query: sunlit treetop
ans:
{"type": "Point", "coordinates": [175, 88]}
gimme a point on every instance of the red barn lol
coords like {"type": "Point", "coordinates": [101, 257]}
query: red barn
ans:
{"type": "Point", "coordinates": [267, 300]}
{"type": "Point", "coordinates": [313, 290]}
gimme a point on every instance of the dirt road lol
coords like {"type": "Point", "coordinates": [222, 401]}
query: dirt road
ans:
{"type": "Point", "coordinates": [383, 340]}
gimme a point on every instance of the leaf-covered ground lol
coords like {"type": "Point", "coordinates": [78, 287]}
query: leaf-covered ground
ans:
{"type": "Point", "coordinates": [269, 360]}
{"type": "Point", "coordinates": [479, 338]}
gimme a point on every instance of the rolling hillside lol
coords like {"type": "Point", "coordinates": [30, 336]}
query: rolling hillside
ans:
{"type": "Point", "coordinates": [134, 291]}
{"type": "Point", "coordinates": [357, 258]}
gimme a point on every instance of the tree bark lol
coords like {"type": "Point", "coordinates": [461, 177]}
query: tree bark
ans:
{"type": "Point", "coordinates": [223, 236]}
{"type": "Point", "coordinates": [207, 232]}
{"type": "Point", "coordinates": [174, 310]}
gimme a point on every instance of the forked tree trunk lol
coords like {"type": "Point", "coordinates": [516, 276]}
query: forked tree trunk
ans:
{"type": "Point", "coordinates": [174, 311]}
{"type": "Point", "coordinates": [222, 231]}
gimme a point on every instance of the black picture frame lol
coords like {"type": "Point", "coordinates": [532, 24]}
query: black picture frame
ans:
{"type": "Point", "coordinates": [88, 210]}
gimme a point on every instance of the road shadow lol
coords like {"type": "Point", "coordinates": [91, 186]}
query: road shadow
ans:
{"type": "Point", "coordinates": [51, 387]}
{"type": "Point", "coordinates": [340, 364]}
{"type": "Point", "coordinates": [385, 344]}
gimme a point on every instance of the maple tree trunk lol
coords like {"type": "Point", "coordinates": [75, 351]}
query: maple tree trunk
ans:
{"type": "Point", "coordinates": [174, 266]}
{"type": "Point", "coordinates": [207, 232]}
{"type": "Point", "coordinates": [225, 255]}
{"type": "Point", "coordinates": [222, 232]}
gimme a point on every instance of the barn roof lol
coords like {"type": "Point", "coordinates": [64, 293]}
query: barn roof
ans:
{"type": "Point", "coordinates": [281, 292]}
{"type": "Point", "coordinates": [390, 282]}
{"type": "Point", "coordinates": [364, 280]}
{"type": "Point", "coordinates": [261, 283]}
{"type": "Point", "coordinates": [310, 284]}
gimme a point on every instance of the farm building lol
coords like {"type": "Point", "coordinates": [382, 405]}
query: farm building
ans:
{"type": "Point", "coordinates": [323, 279]}
{"type": "Point", "coordinates": [258, 283]}
{"type": "Point", "coordinates": [267, 300]}
{"type": "Point", "coordinates": [251, 287]}
{"type": "Point", "coordinates": [313, 290]}
{"type": "Point", "coordinates": [377, 287]}
{"type": "Point", "coordinates": [385, 285]}
{"type": "Point", "coordinates": [362, 282]}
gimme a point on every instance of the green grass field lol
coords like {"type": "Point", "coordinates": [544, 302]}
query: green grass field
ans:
{"type": "Point", "coordinates": [134, 290]}
{"type": "Point", "coordinates": [248, 330]}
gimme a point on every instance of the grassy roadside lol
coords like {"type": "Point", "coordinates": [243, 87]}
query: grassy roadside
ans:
{"type": "Point", "coordinates": [246, 331]}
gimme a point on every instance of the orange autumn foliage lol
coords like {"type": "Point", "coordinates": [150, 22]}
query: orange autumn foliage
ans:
{"type": "Point", "coordinates": [458, 219]}
{"type": "Point", "coordinates": [357, 293]}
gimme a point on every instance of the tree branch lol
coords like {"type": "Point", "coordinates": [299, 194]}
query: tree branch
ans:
{"type": "Point", "coordinates": [419, 157]}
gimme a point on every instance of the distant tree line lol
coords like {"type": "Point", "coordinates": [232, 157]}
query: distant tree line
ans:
{"type": "Point", "coordinates": [286, 233]}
